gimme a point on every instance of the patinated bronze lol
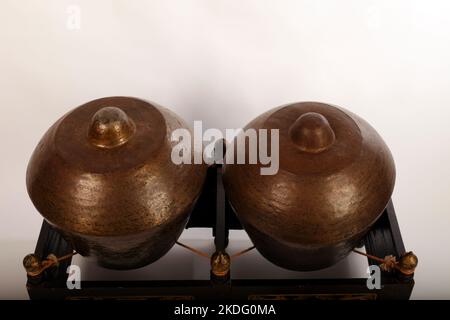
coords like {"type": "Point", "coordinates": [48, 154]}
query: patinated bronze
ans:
{"type": "Point", "coordinates": [103, 176]}
{"type": "Point", "coordinates": [220, 264]}
{"type": "Point", "coordinates": [336, 175]}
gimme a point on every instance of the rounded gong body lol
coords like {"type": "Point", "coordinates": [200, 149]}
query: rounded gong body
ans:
{"type": "Point", "coordinates": [103, 176]}
{"type": "Point", "coordinates": [335, 177]}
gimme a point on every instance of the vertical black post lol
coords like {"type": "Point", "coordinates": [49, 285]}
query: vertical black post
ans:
{"type": "Point", "coordinates": [50, 242]}
{"type": "Point", "coordinates": [221, 230]}
{"type": "Point", "coordinates": [220, 261]}
{"type": "Point", "coordinates": [385, 239]}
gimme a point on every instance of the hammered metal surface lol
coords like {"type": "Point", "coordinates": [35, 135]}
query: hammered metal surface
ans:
{"type": "Point", "coordinates": [125, 204]}
{"type": "Point", "coordinates": [320, 204]}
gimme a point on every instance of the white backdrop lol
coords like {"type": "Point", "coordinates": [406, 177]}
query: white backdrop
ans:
{"type": "Point", "coordinates": [225, 62]}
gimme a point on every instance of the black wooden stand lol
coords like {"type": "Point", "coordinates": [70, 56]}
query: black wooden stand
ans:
{"type": "Point", "coordinates": [382, 240]}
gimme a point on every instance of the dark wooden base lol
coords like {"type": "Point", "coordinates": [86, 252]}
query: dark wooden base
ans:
{"type": "Point", "coordinates": [383, 239]}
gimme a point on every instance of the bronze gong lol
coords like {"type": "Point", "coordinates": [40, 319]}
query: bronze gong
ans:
{"type": "Point", "coordinates": [103, 176]}
{"type": "Point", "coordinates": [336, 175]}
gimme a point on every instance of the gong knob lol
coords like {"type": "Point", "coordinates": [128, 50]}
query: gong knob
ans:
{"type": "Point", "coordinates": [110, 127]}
{"type": "Point", "coordinates": [312, 133]}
